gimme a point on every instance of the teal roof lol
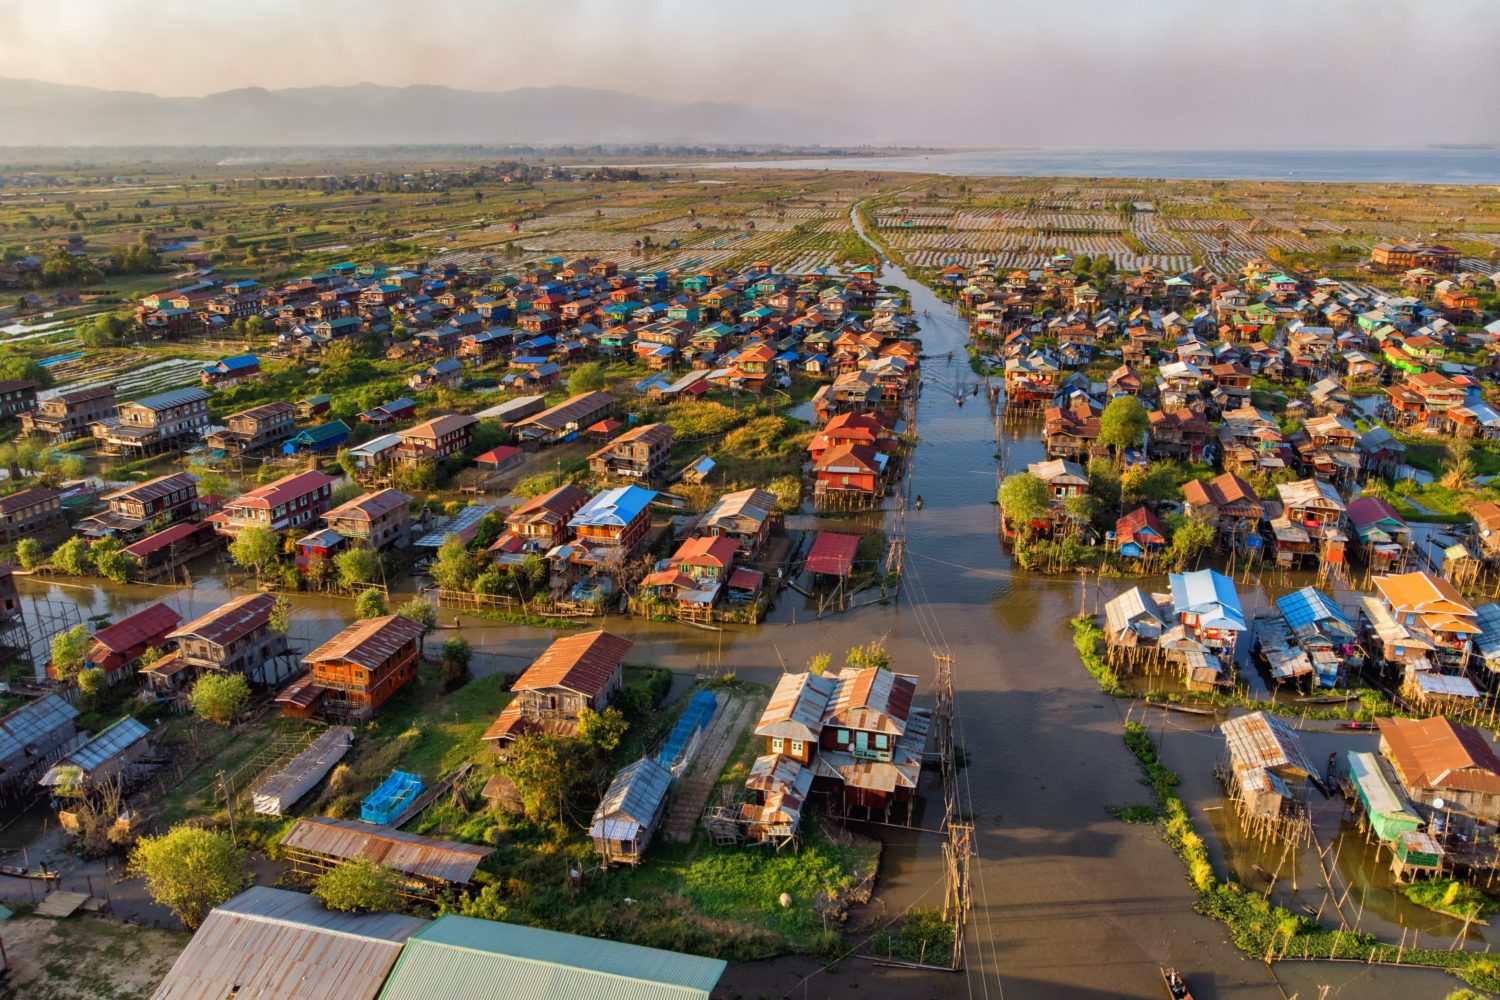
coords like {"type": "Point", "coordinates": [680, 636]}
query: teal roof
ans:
{"type": "Point", "coordinates": [460, 958]}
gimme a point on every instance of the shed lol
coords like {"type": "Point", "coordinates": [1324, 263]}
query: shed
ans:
{"type": "Point", "coordinates": [1266, 760]}
{"type": "Point", "coordinates": [108, 756]}
{"type": "Point", "coordinates": [458, 956]}
{"type": "Point", "coordinates": [630, 811]}
{"type": "Point", "coordinates": [832, 554]}
{"type": "Point", "coordinates": [426, 863]}
{"type": "Point", "coordinates": [275, 944]}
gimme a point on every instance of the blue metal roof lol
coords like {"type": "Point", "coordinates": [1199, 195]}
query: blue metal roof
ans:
{"type": "Point", "coordinates": [171, 398]}
{"type": "Point", "coordinates": [1310, 605]}
{"type": "Point", "coordinates": [109, 743]}
{"type": "Point", "coordinates": [1210, 595]}
{"type": "Point", "coordinates": [616, 507]}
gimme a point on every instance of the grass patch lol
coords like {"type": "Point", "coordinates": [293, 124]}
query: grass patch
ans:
{"type": "Point", "coordinates": [1450, 896]}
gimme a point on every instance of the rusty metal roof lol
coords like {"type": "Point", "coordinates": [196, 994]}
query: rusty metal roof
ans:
{"type": "Point", "coordinates": [369, 506]}
{"type": "Point", "coordinates": [153, 489]}
{"type": "Point", "coordinates": [150, 623]}
{"type": "Point", "coordinates": [368, 643]}
{"type": "Point", "coordinates": [231, 621]}
{"type": "Point", "coordinates": [408, 853]}
{"type": "Point", "coordinates": [1264, 741]}
{"type": "Point", "coordinates": [275, 944]}
{"type": "Point", "coordinates": [873, 699]}
{"type": "Point", "coordinates": [582, 663]}
{"type": "Point", "coordinates": [795, 710]}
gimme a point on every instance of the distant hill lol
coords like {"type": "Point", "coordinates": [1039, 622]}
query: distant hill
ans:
{"type": "Point", "coordinates": [50, 114]}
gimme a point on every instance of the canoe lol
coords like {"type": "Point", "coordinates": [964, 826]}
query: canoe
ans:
{"type": "Point", "coordinates": [1176, 988]}
{"type": "Point", "coordinates": [1189, 709]}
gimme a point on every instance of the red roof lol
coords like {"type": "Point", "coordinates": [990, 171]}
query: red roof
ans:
{"type": "Point", "coordinates": [745, 578]}
{"type": "Point", "coordinates": [170, 536]}
{"type": "Point", "coordinates": [714, 550]}
{"type": "Point", "coordinates": [285, 489]}
{"type": "Point", "coordinates": [832, 553]}
{"type": "Point", "coordinates": [229, 622]}
{"type": "Point", "coordinates": [149, 624]}
{"type": "Point", "coordinates": [497, 456]}
{"type": "Point", "coordinates": [1137, 520]}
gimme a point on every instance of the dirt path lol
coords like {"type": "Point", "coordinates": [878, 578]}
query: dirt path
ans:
{"type": "Point", "coordinates": [718, 743]}
{"type": "Point", "coordinates": [85, 957]}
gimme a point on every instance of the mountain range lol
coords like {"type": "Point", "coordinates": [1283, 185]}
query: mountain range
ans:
{"type": "Point", "coordinates": [35, 113]}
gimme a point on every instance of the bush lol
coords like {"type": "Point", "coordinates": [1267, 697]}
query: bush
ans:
{"type": "Point", "coordinates": [358, 885]}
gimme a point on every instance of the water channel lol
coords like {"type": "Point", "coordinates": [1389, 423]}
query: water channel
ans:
{"type": "Point", "coordinates": [1068, 901]}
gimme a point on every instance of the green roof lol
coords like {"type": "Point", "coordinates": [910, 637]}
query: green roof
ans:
{"type": "Point", "coordinates": [459, 958]}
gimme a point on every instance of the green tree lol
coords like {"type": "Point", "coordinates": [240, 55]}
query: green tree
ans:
{"type": "Point", "coordinates": [871, 654]}
{"type": "Point", "coordinates": [1191, 536]}
{"type": "Point", "coordinates": [369, 604]}
{"type": "Point", "coordinates": [601, 730]}
{"type": "Point", "coordinates": [30, 553]}
{"type": "Point", "coordinates": [788, 492]}
{"type": "Point", "coordinates": [547, 770]}
{"type": "Point", "coordinates": [91, 684]}
{"type": "Point", "coordinates": [280, 619]}
{"type": "Point", "coordinates": [72, 557]}
{"type": "Point", "coordinates": [189, 870]}
{"type": "Point", "coordinates": [455, 654]}
{"type": "Point", "coordinates": [113, 562]}
{"type": "Point", "coordinates": [71, 467]}
{"type": "Point", "coordinates": [586, 378]}
{"type": "Point", "coordinates": [818, 664]}
{"type": "Point", "coordinates": [69, 647]}
{"type": "Point", "coordinates": [1024, 498]}
{"type": "Point", "coordinates": [359, 885]}
{"type": "Point", "coordinates": [356, 566]}
{"type": "Point", "coordinates": [220, 698]}
{"type": "Point", "coordinates": [423, 613]}
{"type": "Point", "coordinates": [255, 547]}
{"type": "Point", "coordinates": [17, 367]}
{"type": "Point", "coordinates": [1123, 423]}
{"type": "Point", "coordinates": [454, 567]}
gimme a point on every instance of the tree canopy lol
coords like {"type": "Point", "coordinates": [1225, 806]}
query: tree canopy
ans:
{"type": "Point", "coordinates": [255, 547]}
{"type": "Point", "coordinates": [358, 885]}
{"type": "Point", "coordinates": [189, 870]}
{"type": "Point", "coordinates": [586, 378]}
{"type": "Point", "coordinates": [1123, 423]}
{"type": "Point", "coordinates": [1025, 498]}
{"type": "Point", "coordinates": [219, 698]}
{"type": "Point", "coordinates": [69, 647]}
{"type": "Point", "coordinates": [369, 604]}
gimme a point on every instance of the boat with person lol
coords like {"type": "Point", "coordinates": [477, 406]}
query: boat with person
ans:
{"type": "Point", "coordinates": [1176, 987]}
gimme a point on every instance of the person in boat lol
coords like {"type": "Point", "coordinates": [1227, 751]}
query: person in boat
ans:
{"type": "Point", "coordinates": [950, 355]}
{"type": "Point", "coordinates": [919, 501]}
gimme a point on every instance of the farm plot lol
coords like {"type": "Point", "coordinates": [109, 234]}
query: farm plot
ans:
{"type": "Point", "coordinates": [130, 378]}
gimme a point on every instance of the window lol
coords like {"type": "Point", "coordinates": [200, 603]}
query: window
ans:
{"type": "Point", "coordinates": [880, 741]}
{"type": "Point", "coordinates": [843, 736]}
{"type": "Point", "coordinates": [797, 748]}
{"type": "Point", "coordinates": [776, 744]}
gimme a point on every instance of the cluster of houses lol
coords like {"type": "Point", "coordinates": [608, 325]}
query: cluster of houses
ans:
{"type": "Point", "coordinates": [1416, 629]}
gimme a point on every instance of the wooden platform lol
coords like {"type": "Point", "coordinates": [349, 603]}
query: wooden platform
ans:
{"type": "Point", "coordinates": [62, 904]}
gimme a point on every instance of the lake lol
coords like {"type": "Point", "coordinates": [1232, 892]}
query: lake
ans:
{"type": "Point", "coordinates": [1436, 165]}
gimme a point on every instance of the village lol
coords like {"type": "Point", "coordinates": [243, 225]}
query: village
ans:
{"type": "Point", "coordinates": [455, 580]}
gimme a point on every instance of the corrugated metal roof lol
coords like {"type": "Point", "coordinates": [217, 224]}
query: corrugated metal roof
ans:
{"type": "Point", "coordinates": [1210, 595]}
{"type": "Point", "coordinates": [30, 723]}
{"type": "Point", "coordinates": [170, 398]}
{"type": "Point", "coordinates": [1261, 740]}
{"type": "Point", "coordinates": [150, 622]}
{"type": "Point", "coordinates": [109, 742]}
{"type": "Point", "coordinates": [459, 957]}
{"type": "Point", "coordinates": [634, 795]}
{"type": "Point", "coordinates": [368, 643]}
{"type": "Point", "coordinates": [1309, 606]}
{"type": "Point", "coordinates": [407, 853]}
{"type": "Point", "coordinates": [614, 508]}
{"type": "Point", "coordinates": [832, 553]}
{"type": "Point", "coordinates": [795, 710]}
{"type": "Point", "coordinates": [274, 944]}
{"type": "Point", "coordinates": [582, 663]}
{"type": "Point", "coordinates": [229, 621]}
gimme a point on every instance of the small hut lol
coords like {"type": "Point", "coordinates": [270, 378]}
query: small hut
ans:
{"type": "Point", "coordinates": [630, 811]}
{"type": "Point", "coordinates": [1266, 773]}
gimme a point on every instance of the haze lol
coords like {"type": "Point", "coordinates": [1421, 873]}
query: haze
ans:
{"type": "Point", "coordinates": [1164, 73]}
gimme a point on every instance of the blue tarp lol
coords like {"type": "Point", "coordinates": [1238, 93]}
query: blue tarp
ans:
{"type": "Point", "coordinates": [395, 793]}
{"type": "Point", "coordinates": [695, 717]}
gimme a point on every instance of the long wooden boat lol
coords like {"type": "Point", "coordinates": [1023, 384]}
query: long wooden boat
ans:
{"type": "Point", "coordinates": [15, 871]}
{"type": "Point", "coordinates": [1176, 987]}
{"type": "Point", "coordinates": [1328, 699]}
{"type": "Point", "coordinates": [1173, 706]}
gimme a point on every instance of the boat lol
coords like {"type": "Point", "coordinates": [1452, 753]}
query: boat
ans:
{"type": "Point", "coordinates": [1175, 707]}
{"type": "Point", "coordinates": [1327, 699]}
{"type": "Point", "coordinates": [1357, 725]}
{"type": "Point", "coordinates": [919, 501]}
{"type": "Point", "coordinates": [1176, 988]}
{"type": "Point", "coordinates": [15, 871]}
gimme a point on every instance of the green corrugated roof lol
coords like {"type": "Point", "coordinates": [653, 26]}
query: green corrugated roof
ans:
{"type": "Point", "coordinates": [461, 957]}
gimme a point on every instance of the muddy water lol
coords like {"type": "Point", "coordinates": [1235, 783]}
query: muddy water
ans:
{"type": "Point", "coordinates": [1067, 902]}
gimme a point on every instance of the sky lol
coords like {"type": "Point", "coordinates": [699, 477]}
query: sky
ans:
{"type": "Point", "coordinates": [1181, 73]}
